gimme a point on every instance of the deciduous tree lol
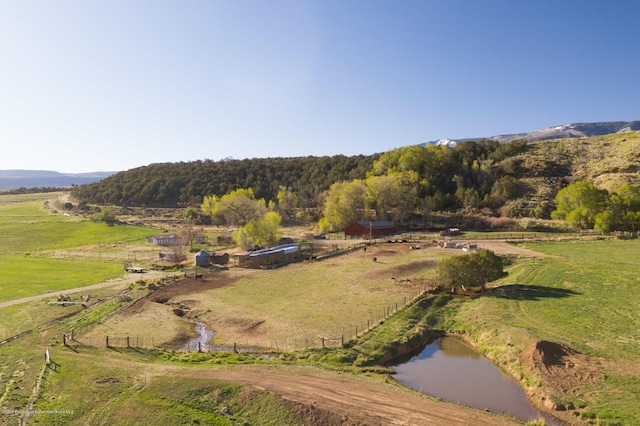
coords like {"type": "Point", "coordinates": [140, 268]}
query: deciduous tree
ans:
{"type": "Point", "coordinates": [343, 205]}
{"type": "Point", "coordinates": [579, 203]}
{"type": "Point", "coordinates": [470, 270]}
{"type": "Point", "coordinates": [236, 208]}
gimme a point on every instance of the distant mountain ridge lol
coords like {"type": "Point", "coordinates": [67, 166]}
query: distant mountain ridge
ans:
{"type": "Point", "coordinates": [14, 179]}
{"type": "Point", "coordinates": [574, 130]}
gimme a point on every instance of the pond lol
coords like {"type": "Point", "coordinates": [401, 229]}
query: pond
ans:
{"type": "Point", "coordinates": [452, 370]}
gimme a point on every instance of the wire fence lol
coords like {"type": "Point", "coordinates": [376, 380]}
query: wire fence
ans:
{"type": "Point", "coordinates": [333, 339]}
{"type": "Point", "coordinates": [126, 255]}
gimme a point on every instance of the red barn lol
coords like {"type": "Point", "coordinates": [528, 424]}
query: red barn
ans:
{"type": "Point", "coordinates": [364, 229]}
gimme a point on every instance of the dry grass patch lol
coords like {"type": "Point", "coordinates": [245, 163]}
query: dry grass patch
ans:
{"type": "Point", "coordinates": [157, 321]}
{"type": "Point", "coordinates": [276, 308]}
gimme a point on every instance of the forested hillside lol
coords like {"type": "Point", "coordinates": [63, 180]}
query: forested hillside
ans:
{"type": "Point", "coordinates": [186, 183]}
{"type": "Point", "coordinates": [517, 179]}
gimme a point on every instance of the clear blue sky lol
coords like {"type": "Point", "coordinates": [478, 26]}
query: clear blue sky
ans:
{"type": "Point", "coordinates": [108, 85]}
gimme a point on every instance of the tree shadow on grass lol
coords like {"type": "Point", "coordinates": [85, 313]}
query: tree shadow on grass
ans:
{"type": "Point", "coordinates": [530, 292]}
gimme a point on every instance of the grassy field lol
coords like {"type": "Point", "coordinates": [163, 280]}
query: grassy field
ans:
{"type": "Point", "coordinates": [23, 277]}
{"type": "Point", "coordinates": [583, 295]}
{"type": "Point", "coordinates": [291, 307]}
{"type": "Point", "coordinates": [32, 234]}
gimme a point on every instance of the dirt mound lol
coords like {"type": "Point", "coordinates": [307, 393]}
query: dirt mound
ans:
{"type": "Point", "coordinates": [563, 370]}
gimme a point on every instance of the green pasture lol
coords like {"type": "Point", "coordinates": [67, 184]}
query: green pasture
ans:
{"type": "Point", "coordinates": [22, 276]}
{"type": "Point", "coordinates": [36, 237]}
{"type": "Point", "coordinates": [584, 294]}
{"type": "Point", "coordinates": [27, 228]}
{"type": "Point", "coordinates": [30, 235]}
{"type": "Point", "coordinates": [26, 208]}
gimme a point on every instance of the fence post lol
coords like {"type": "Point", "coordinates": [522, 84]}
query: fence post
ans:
{"type": "Point", "coordinates": [107, 341]}
{"type": "Point", "coordinates": [64, 339]}
{"type": "Point", "coordinates": [343, 340]}
{"type": "Point", "coordinates": [322, 342]}
{"type": "Point", "coordinates": [73, 334]}
{"type": "Point", "coordinates": [127, 341]}
{"type": "Point", "coordinates": [356, 331]}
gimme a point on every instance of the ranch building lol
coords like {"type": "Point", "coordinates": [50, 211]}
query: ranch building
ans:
{"type": "Point", "coordinates": [164, 240]}
{"type": "Point", "coordinates": [373, 228]}
{"type": "Point", "coordinates": [270, 257]}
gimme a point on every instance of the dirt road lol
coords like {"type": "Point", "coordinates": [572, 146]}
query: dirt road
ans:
{"type": "Point", "coordinates": [348, 400]}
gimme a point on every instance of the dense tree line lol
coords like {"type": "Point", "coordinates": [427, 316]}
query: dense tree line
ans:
{"type": "Point", "coordinates": [393, 185]}
{"type": "Point", "coordinates": [187, 183]}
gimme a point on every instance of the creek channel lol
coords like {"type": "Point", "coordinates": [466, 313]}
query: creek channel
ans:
{"type": "Point", "coordinates": [199, 343]}
{"type": "Point", "coordinates": [452, 370]}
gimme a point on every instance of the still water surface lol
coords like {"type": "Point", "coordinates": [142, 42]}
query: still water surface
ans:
{"type": "Point", "coordinates": [452, 370]}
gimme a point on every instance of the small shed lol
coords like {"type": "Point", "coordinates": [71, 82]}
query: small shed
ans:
{"type": "Point", "coordinates": [220, 258]}
{"type": "Point", "coordinates": [364, 229]}
{"type": "Point", "coordinates": [202, 258]}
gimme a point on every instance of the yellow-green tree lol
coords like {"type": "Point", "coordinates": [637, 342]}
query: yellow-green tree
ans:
{"type": "Point", "coordinates": [579, 204]}
{"type": "Point", "coordinates": [236, 208]}
{"type": "Point", "coordinates": [344, 204]}
{"type": "Point", "coordinates": [262, 231]}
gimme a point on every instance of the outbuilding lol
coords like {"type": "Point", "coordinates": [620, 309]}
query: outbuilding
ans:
{"type": "Point", "coordinates": [202, 258]}
{"type": "Point", "coordinates": [372, 228]}
{"type": "Point", "coordinates": [270, 257]}
{"type": "Point", "coordinates": [220, 258]}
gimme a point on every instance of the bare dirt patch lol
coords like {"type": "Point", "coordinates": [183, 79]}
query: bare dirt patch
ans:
{"type": "Point", "coordinates": [168, 294]}
{"type": "Point", "coordinates": [501, 247]}
{"type": "Point", "coordinates": [564, 370]}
